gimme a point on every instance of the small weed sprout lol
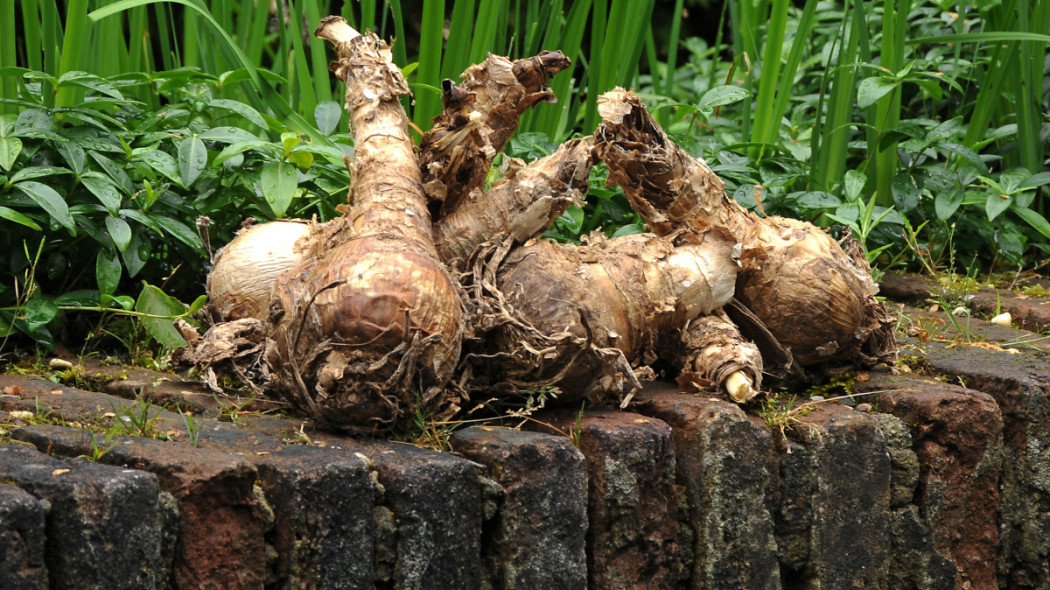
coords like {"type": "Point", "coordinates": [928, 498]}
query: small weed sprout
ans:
{"type": "Point", "coordinates": [193, 431]}
{"type": "Point", "coordinates": [98, 450]}
{"type": "Point", "coordinates": [136, 420]}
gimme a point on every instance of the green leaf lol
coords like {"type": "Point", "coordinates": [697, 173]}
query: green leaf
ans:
{"type": "Point", "coordinates": [239, 148]}
{"type": "Point", "coordinates": [948, 202]}
{"type": "Point", "coordinates": [854, 184]}
{"type": "Point", "coordinates": [38, 172]}
{"type": "Point", "coordinates": [302, 159]}
{"type": "Point", "coordinates": [278, 181]}
{"type": "Point", "coordinates": [628, 230]}
{"type": "Point", "coordinates": [39, 312]}
{"type": "Point", "coordinates": [10, 147]}
{"type": "Point", "coordinates": [6, 324]}
{"type": "Point", "coordinates": [73, 154]}
{"type": "Point", "coordinates": [227, 135]}
{"type": "Point", "coordinates": [289, 140]}
{"type": "Point", "coordinates": [153, 301]}
{"type": "Point", "coordinates": [872, 89]}
{"type": "Point", "coordinates": [850, 221]}
{"type": "Point", "coordinates": [104, 191]}
{"type": "Point", "coordinates": [15, 216]}
{"type": "Point", "coordinates": [241, 109]}
{"type": "Point", "coordinates": [31, 120]}
{"type": "Point", "coordinates": [966, 154]}
{"type": "Point", "coordinates": [335, 154]}
{"type": "Point", "coordinates": [78, 298]}
{"type": "Point", "coordinates": [1035, 180]}
{"type": "Point", "coordinates": [906, 194]}
{"type": "Point", "coordinates": [816, 200]}
{"type": "Point", "coordinates": [142, 218]}
{"type": "Point", "coordinates": [50, 201]}
{"type": "Point", "coordinates": [197, 305]}
{"type": "Point", "coordinates": [995, 204]}
{"type": "Point", "coordinates": [1034, 219]}
{"type": "Point", "coordinates": [120, 231]}
{"type": "Point", "coordinates": [193, 157]}
{"type": "Point", "coordinates": [114, 171]}
{"type": "Point", "coordinates": [162, 162]}
{"type": "Point", "coordinates": [179, 231]}
{"type": "Point", "coordinates": [722, 95]}
{"type": "Point", "coordinates": [327, 115]}
{"type": "Point", "coordinates": [124, 301]}
{"type": "Point", "coordinates": [107, 271]}
{"type": "Point", "coordinates": [137, 254]}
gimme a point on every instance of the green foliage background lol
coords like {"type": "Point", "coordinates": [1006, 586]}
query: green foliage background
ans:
{"type": "Point", "coordinates": [920, 125]}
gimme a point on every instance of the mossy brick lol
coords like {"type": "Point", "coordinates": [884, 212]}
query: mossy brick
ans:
{"type": "Point", "coordinates": [957, 434]}
{"type": "Point", "coordinates": [1020, 386]}
{"type": "Point", "coordinates": [429, 523]}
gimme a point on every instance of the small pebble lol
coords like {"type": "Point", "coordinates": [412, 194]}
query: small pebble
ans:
{"type": "Point", "coordinates": [816, 398]}
{"type": "Point", "coordinates": [960, 312]}
{"type": "Point", "coordinates": [62, 364]}
{"type": "Point", "coordinates": [863, 407]}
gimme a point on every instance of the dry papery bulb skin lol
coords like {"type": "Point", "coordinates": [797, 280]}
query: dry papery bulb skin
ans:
{"type": "Point", "coordinates": [371, 327]}
{"type": "Point", "coordinates": [522, 205]}
{"type": "Point", "coordinates": [246, 269]}
{"type": "Point", "coordinates": [586, 317]}
{"type": "Point", "coordinates": [814, 297]}
{"type": "Point", "coordinates": [480, 115]}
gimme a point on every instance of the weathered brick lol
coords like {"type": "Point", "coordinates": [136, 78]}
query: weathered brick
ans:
{"type": "Point", "coordinates": [323, 517]}
{"type": "Point", "coordinates": [433, 500]}
{"type": "Point", "coordinates": [632, 505]}
{"type": "Point", "coordinates": [957, 435]}
{"type": "Point", "coordinates": [850, 499]}
{"type": "Point", "coordinates": [103, 525]}
{"type": "Point", "coordinates": [21, 539]}
{"type": "Point", "coordinates": [220, 541]}
{"type": "Point", "coordinates": [536, 539]}
{"type": "Point", "coordinates": [726, 463]}
{"type": "Point", "coordinates": [1020, 386]}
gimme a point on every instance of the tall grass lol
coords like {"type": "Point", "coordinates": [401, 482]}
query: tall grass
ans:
{"type": "Point", "coordinates": [841, 88]}
{"type": "Point", "coordinates": [284, 69]}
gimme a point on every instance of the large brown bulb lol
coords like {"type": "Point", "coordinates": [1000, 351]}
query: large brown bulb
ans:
{"type": "Point", "coordinates": [809, 295]}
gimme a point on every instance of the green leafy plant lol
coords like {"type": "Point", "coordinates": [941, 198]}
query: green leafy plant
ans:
{"type": "Point", "coordinates": [118, 193]}
{"type": "Point", "coordinates": [873, 114]}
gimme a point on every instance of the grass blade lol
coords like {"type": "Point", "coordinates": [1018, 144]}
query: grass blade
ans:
{"type": "Point", "coordinates": [31, 31]}
{"type": "Point", "coordinates": [765, 125]}
{"type": "Point", "coordinates": [74, 44]}
{"type": "Point", "coordinates": [834, 132]}
{"type": "Point", "coordinates": [8, 57]}
{"type": "Point", "coordinates": [888, 108]}
{"type": "Point", "coordinates": [428, 104]}
{"type": "Point", "coordinates": [460, 35]}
